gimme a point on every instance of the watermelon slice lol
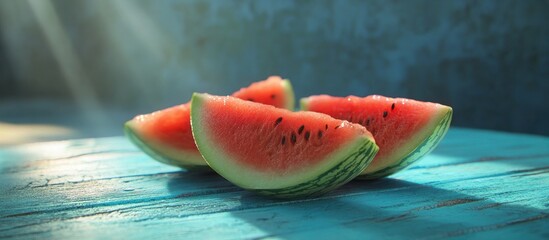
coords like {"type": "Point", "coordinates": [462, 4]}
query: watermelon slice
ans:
{"type": "Point", "coordinates": [405, 130]}
{"type": "Point", "coordinates": [277, 152]}
{"type": "Point", "coordinates": [166, 136]}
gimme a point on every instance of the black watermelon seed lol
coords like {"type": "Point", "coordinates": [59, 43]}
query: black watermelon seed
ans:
{"type": "Point", "coordinates": [368, 122]}
{"type": "Point", "coordinates": [300, 129]}
{"type": "Point", "coordinates": [307, 135]}
{"type": "Point", "coordinates": [283, 140]}
{"type": "Point", "coordinates": [319, 134]}
{"type": "Point", "coordinates": [393, 106]}
{"type": "Point", "coordinates": [250, 99]}
{"type": "Point", "coordinates": [336, 127]}
{"type": "Point", "coordinates": [384, 113]}
{"type": "Point", "coordinates": [273, 96]}
{"type": "Point", "coordinates": [278, 120]}
{"type": "Point", "coordinates": [293, 138]}
{"type": "Point", "coordinates": [326, 127]}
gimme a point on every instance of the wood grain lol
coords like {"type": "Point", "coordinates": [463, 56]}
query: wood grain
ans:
{"type": "Point", "coordinates": [479, 184]}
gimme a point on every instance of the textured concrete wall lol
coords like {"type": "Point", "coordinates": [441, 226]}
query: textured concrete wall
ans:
{"type": "Point", "coordinates": [487, 59]}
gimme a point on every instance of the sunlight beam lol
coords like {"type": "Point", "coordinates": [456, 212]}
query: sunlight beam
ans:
{"type": "Point", "coordinates": [69, 64]}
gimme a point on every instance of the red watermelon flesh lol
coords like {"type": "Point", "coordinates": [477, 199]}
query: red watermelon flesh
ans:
{"type": "Point", "coordinates": [166, 134]}
{"type": "Point", "coordinates": [272, 150]}
{"type": "Point", "coordinates": [404, 129]}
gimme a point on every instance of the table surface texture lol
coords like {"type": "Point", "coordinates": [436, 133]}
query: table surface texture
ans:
{"type": "Point", "coordinates": [475, 184]}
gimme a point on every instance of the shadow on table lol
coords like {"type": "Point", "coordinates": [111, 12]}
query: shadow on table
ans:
{"type": "Point", "coordinates": [389, 208]}
{"type": "Point", "coordinates": [199, 182]}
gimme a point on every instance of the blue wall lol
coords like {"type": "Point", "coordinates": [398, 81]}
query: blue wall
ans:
{"type": "Point", "coordinates": [487, 59]}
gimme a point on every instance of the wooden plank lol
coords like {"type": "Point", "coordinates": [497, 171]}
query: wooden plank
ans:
{"type": "Point", "coordinates": [477, 183]}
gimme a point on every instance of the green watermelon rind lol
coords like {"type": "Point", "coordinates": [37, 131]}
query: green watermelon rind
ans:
{"type": "Point", "coordinates": [421, 144]}
{"type": "Point", "coordinates": [331, 179]}
{"type": "Point", "coordinates": [338, 168]}
{"type": "Point", "coordinates": [188, 160]}
{"type": "Point", "coordinates": [434, 137]}
{"type": "Point", "coordinates": [289, 94]}
{"type": "Point", "coordinates": [171, 156]}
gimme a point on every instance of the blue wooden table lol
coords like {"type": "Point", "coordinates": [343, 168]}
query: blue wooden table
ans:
{"type": "Point", "coordinates": [479, 184]}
